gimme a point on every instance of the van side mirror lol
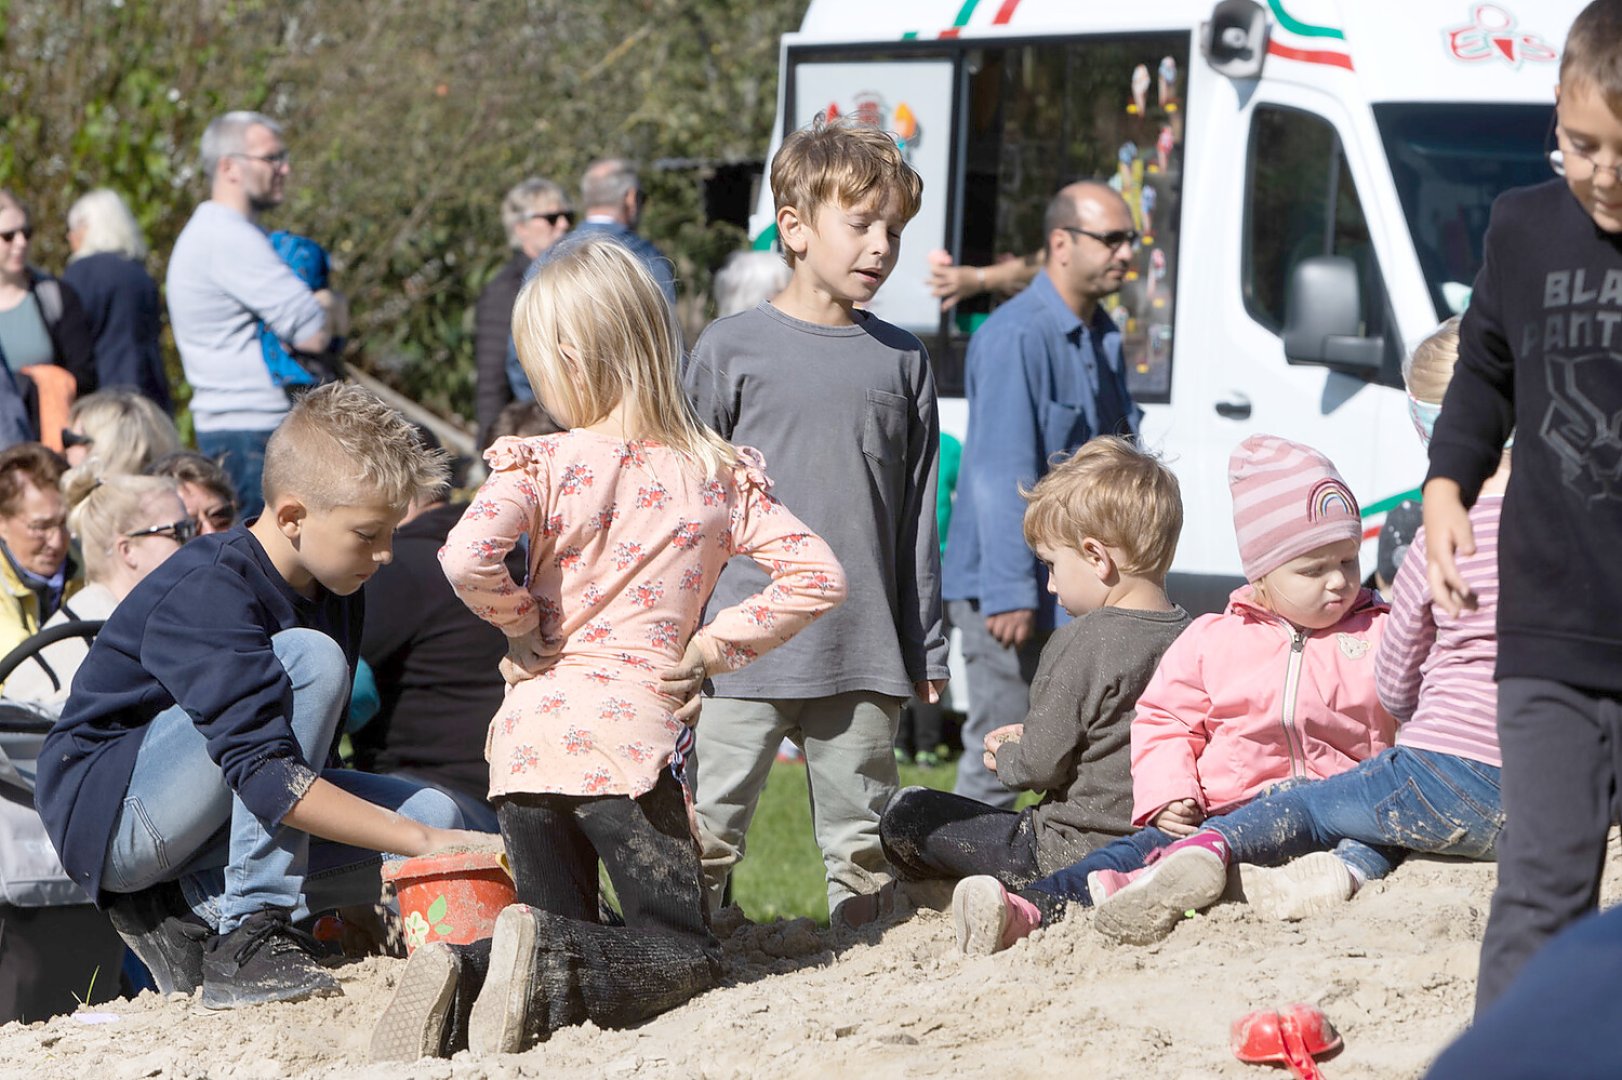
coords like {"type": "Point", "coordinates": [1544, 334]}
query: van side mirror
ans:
{"type": "Point", "coordinates": [1323, 319]}
{"type": "Point", "coordinates": [1234, 40]}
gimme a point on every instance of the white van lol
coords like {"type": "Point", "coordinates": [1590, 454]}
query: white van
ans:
{"type": "Point", "coordinates": [1313, 178]}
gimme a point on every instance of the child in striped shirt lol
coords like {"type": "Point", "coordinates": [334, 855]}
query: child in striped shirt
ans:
{"type": "Point", "coordinates": [1436, 791]}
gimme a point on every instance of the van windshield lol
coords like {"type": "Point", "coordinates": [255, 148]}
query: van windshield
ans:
{"type": "Point", "coordinates": [1449, 163]}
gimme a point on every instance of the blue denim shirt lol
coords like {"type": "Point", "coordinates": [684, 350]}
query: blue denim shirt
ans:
{"type": "Point", "coordinates": [1040, 381]}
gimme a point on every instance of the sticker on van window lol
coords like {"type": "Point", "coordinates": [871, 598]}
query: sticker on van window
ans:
{"type": "Point", "coordinates": [1494, 33]}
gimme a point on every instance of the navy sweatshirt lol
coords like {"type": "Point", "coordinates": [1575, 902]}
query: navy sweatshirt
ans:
{"type": "Point", "coordinates": [1541, 350]}
{"type": "Point", "coordinates": [195, 632]}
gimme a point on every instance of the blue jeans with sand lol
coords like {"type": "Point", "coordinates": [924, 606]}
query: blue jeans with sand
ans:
{"type": "Point", "coordinates": [180, 821]}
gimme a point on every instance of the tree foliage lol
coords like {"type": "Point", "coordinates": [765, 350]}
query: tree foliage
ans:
{"type": "Point", "coordinates": [407, 120]}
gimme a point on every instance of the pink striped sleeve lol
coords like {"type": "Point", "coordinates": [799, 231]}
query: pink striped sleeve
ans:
{"type": "Point", "coordinates": [1410, 632]}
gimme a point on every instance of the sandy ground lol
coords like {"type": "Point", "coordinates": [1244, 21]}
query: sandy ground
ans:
{"type": "Point", "coordinates": [1394, 970]}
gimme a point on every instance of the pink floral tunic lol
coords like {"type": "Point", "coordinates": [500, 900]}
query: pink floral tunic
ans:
{"type": "Point", "coordinates": [625, 543]}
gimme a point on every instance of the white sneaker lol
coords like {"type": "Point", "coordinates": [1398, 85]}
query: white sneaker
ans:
{"type": "Point", "coordinates": [1311, 885]}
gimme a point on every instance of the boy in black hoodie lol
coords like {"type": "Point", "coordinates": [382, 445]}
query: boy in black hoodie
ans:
{"type": "Point", "coordinates": [1540, 354]}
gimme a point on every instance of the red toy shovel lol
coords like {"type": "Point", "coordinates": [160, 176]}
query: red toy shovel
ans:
{"type": "Point", "coordinates": [1294, 1035]}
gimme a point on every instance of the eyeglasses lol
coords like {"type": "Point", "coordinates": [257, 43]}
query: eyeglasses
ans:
{"type": "Point", "coordinates": [221, 515]}
{"type": "Point", "coordinates": [275, 161]}
{"type": "Point", "coordinates": [75, 438]}
{"type": "Point", "coordinates": [1558, 161]}
{"type": "Point", "coordinates": [25, 231]}
{"type": "Point", "coordinates": [551, 216]}
{"type": "Point", "coordinates": [178, 531]}
{"type": "Point", "coordinates": [1111, 240]}
{"type": "Point", "coordinates": [39, 530]}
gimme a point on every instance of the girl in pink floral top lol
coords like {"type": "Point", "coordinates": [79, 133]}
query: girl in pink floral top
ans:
{"type": "Point", "coordinates": [628, 516]}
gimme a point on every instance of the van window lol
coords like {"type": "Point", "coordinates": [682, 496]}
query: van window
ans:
{"type": "Point", "coordinates": [1302, 202]}
{"type": "Point", "coordinates": [1040, 116]}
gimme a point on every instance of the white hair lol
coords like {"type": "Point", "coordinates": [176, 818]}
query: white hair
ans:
{"type": "Point", "coordinates": [228, 134]}
{"type": "Point", "coordinates": [607, 182]}
{"type": "Point", "coordinates": [108, 226]}
{"type": "Point", "coordinates": [747, 278]}
{"type": "Point", "coordinates": [523, 197]}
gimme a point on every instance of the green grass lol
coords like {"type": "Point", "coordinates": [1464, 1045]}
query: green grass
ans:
{"type": "Point", "coordinates": [782, 876]}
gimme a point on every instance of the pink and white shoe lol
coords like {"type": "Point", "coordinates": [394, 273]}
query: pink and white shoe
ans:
{"type": "Point", "coordinates": [988, 917]}
{"type": "Point", "coordinates": [1142, 907]}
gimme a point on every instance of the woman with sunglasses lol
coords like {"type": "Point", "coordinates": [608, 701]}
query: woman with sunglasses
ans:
{"type": "Point", "coordinates": [41, 319]}
{"type": "Point", "coordinates": [126, 526]}
{"type": "Point", "coordinates": [536, 214]}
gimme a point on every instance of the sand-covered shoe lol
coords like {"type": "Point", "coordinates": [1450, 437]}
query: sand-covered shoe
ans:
{"type": "Point", "coordinates": [501, 1021]}
{"type": "Point", "coordinates": [265, 959]}
{"type": "Point", "coordinates": [989, 918]}
{"type": "Point", "coordinates": [163, 933]}
{"type": "Point", "coordinates": [1189, 875]}
{"type": "Point", "coordinates": [413, 1025]}
{"type": "Point", "coordinates": [1310, 885]}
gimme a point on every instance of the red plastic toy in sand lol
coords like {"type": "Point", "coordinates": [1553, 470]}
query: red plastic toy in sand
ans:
{"type": "Point", "coordinates": [1294, 1035]}
{"type": "Point", "coordinates": [450, 898]}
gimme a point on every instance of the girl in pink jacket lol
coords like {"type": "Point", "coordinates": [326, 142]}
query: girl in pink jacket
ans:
{"type": "Point", "coordinates": [1277, 689]}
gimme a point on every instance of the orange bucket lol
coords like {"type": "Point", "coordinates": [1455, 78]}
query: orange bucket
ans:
{"type": "Point", "coordinates": [451, 898]}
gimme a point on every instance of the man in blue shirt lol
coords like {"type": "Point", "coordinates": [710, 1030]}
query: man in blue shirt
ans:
{"type": "Point", "coordinates": [1045, 374]}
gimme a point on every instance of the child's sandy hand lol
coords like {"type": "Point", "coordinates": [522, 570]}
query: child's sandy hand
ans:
{"type": "Point", "coordinates": [996, 737]}
{"type": "Point", "coordinates": [684, 681]}
{"type": "Point", "coordinates": [526, 656]}
{"type": "Point", "coordinates": [1179, 819]}
{"type": "Point", "coordinates": [1447, 535]}
{"type": "Point", "coordinates": [929, 690]}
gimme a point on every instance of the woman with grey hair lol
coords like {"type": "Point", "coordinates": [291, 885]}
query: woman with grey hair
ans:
{"type": "Point", "coordinates": [536, 214]}
{"type": "Point", "coordinates": [120, 298]}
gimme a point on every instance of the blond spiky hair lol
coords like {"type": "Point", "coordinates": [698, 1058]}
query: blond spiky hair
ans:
{"type": "Point", "coordinates": [342, 445]}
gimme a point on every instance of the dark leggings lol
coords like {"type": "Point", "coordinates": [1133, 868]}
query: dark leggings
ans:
{"type": "Point", "coordinates": [612, 975]}
{"type": "Point", "coordinates": [936, 834]}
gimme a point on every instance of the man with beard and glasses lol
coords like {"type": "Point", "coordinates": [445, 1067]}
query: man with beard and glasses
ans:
{"type": "Point", "coordinates": [225, 279]}
{"type": "Point", "coordinates": [1044, 375]}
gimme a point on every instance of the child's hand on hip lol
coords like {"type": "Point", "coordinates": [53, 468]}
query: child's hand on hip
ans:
{"type": "Point", "coordinates": [684, 681]}
{"type": "Point", "coordinates": [1179, 819]}
{"type": "Point", "coordinates": [526, 656]}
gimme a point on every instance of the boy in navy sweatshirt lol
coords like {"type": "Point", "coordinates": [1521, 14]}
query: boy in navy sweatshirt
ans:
{"type": "Point", "coordinates": [1539, 354]}
{"type": "Point", "coordinates": [198, 728]}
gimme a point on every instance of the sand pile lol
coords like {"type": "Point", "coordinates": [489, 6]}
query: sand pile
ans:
{"type": "Point", "coordinates": [1394, 970]}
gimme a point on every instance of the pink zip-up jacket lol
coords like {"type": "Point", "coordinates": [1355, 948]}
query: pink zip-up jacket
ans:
{"type": "Point", "coordinates": [1244, 700]}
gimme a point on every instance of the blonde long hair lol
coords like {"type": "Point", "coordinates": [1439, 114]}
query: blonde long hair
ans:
{"type": "Point", "coordinates": [593, 329]}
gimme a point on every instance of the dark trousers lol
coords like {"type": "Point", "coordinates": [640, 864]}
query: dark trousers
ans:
{"type": "Point", "coordinates": [936, 834]}
{"type": "Point", "coordinates": [1562, 765]}
{"type": "Point", "coordinates": [613, 976]}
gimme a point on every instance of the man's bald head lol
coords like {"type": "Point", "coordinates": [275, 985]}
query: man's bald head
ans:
{"type": "Point", "coordinates": [1081, 205]}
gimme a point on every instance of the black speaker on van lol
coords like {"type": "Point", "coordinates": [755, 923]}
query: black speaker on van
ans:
{"type": "Point", "coordinates": [1234, 40]}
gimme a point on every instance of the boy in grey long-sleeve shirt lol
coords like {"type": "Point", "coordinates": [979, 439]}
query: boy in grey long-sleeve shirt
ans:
{"type": "Point", "coordinates": [842, 406]}
{"type": "Point", "coordinates": [1106, 523]}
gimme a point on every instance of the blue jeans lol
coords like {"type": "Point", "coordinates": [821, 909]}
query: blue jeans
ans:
{"type": "Point", "coordinates": [180, 821]}
{"type": "Point", "coordinates": [242, 455]}
{"type": "Point", "coordinates": [1400, 800]}
{"type": "Point", "coordinates": [1127, 853]}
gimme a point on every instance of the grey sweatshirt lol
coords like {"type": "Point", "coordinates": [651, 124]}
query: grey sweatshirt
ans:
{"type": "Point", "coordinates": [846, 419]}
{"type": "Point", "coordinates": [1077, 745]}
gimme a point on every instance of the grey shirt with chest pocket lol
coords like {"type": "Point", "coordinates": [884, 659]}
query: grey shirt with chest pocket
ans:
{"type": "Point", "coordinates": [846, 419]}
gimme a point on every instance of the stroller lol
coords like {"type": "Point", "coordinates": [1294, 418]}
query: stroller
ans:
{"type": "Point", "coordinates": [56, 949]}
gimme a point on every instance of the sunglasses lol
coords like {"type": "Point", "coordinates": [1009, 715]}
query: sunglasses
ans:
{"type": "Point", "coordinates": [551, 217]}
{"type": "Point", "coordinates": [179, 531]}
{"type": "Point", "coordinates": [74, 438]}
{"type": "Point", "coordinates": [1111, 240]}
{"type": "Point", "coordinates": [25, 231]}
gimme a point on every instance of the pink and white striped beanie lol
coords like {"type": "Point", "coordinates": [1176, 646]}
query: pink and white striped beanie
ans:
{"type": "Point", "coordinates": [1287, 500]}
